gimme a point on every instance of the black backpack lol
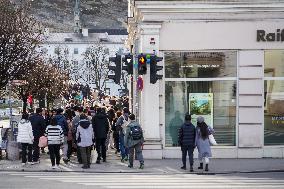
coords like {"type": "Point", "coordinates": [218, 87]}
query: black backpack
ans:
{"type": "Point", "coordinates": [136, 132]}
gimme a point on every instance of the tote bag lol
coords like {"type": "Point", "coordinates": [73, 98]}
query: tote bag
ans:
{"type": "Point", "coordinates": [212, 140]}
{"type": "Point", "coordinates": [42, 142]}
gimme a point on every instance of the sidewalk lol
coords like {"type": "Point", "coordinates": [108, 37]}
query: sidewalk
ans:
{"type": "Point", "coordinates": [165, 166]}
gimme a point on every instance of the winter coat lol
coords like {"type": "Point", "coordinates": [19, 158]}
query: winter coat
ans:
{"type": "Point", "coordinates": [85, 133]}
{"type": "Point", "coordinates": [121, 124]}
{"type": "Point", "coordinates": [25, 132]}
{"type": "Point", "coordinates": [54, 134]}
{"type": "Point", "coordinates": [38, 125]}
{"type": "Point", "coordinates": [128, 141]}
{"type": "Point", "coordinates": [100, 125]}
{"type": "Point", "coordinates": [187, 134]}
{"type": "Point", "coordinates": [203, 145]}
{"type": "Point", "coordinates": [61, 120]}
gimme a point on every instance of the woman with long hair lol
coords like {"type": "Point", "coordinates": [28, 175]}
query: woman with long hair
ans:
{"type": "Point", "coordinates": [202, 142]}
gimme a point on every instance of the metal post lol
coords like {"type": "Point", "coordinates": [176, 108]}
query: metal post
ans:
{"type": "Point", "coordinates": [10, 110]}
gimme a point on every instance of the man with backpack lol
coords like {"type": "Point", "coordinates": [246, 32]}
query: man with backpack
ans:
{"type": "Point", "coordinates": [134, 140]}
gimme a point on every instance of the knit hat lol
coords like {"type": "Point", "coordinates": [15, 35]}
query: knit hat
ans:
{"type": "Point", "coordinates": [200, 119]}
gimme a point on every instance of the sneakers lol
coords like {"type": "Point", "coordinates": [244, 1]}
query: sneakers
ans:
{"type": "Point", "coordinates": [65, 161]}
{"type": "Point", "coordinates": [191, 169]}
{"type": "Point", "coordinates": [53, 167]}
{"type": "Point", "coordinates": [98, 162]}
{"type": "Point", "coordinates": [183, 167]}
{"type": "Point", "coordinates": [23, 164]}
{"type": "Point", "coordinates": [85, 167]}
{"type": "Point", "coordinates": [206, 167]}
{"type": "Point", "coordinates": [201, 166]}
{"type": "Point", "coordinates": [130, 166]}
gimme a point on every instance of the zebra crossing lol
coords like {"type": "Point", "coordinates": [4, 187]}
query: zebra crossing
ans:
{"type": "Point", "coordinates": [145, 181]}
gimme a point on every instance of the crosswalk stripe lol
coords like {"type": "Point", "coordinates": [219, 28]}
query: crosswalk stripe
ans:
{"type": "Point", "coordinates": [136, 181]}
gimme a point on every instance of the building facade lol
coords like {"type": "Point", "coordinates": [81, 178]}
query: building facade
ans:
{"type": "Point", "coordinates": [223, 60]}
{"type": "Point", "coordinates": [69, 49]}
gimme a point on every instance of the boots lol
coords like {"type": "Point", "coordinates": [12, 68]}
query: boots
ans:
{"type": "Point", "coordinates": [201, 166]}
{"type": "Point", "coordinates": [206, 167]}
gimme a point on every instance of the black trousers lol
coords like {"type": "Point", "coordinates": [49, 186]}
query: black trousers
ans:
{"type": "Point", "coordinates": [54, 153]}
{"type": "Point", "coordinates": [101, 148]}
{"type": "Point", "coordinates": [86, 155]}
{"type": "Point", "coordinates": [187, 150]}
{"type": "Point", "coordinates": [35, 150]}
{"type": "Point", "coordinates": [69, 151]}
{"type": "Point", "coordinates": [26, 146]}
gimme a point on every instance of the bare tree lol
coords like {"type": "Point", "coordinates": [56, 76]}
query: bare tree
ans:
{"type": "Point", "coordinates": [44, 79]}
{"type": "Point", "coordinates": [96, 66]}
{"type": "Point", "coordinates": [19, 36]}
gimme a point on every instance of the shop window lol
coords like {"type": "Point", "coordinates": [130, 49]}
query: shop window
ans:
{"type": "Point", "coordinates": [200, 64]}
{"type": "Point", "coordinates": [202, 84]}
{"type": "Point", "coordinates": [274, 97]}
{"type": "Point", "coordinates": [213, 100]}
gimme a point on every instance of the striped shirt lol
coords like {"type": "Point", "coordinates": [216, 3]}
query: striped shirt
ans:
{"type": "Point", "coordinates": [54, 134]}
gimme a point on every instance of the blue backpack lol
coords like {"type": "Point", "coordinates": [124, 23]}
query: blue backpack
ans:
{"type": "Point", "coordinates": [136, 132]}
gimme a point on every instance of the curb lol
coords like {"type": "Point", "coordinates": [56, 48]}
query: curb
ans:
{"type": "Point", "coordinates": [144, 172]}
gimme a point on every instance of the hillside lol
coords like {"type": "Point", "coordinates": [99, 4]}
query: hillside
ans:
{"type": "Point", "coordinates": [59, 14]}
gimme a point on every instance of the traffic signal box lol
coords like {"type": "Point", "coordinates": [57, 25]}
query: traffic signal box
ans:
{"type": "Point", "coordinates": [116, 68]}
{"type": "Point", "coordinates": [154, 68]}
{"type": "Point", "coordinates": [142, 66]}
{"type": "Point", "coordinates": [128, 64]}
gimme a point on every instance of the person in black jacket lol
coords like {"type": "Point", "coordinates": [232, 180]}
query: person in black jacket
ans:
{"type": "Point", "coordinates": [101, 128]}
{"type": "Point", "coordinates": [187, 141]}
{"type": "Point", "coordinates": [38, 125]}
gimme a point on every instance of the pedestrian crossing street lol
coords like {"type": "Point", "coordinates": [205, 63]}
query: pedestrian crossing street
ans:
{"type": "Point", "coordinates": [145, 181]}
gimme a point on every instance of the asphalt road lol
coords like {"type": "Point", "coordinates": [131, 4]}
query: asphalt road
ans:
{"type": "Point", "coordinates": [54, 180]}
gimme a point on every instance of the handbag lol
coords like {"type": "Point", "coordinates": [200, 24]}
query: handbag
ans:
{"type": "Point", "coordinates": [212, 140]}
{"type": "Point", "coordinates": [42, 142]}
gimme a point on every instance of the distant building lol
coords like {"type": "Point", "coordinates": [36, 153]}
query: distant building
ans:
{"type": "Point", "coordinates": [74, 45]}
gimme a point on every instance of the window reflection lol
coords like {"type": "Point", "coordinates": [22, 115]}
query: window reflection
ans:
{"type": "Point", "coordinates": [200, 64]}
{"type": "Point", "coordinates": [224, 108]}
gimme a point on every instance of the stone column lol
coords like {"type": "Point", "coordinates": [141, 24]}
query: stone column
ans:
{"type": "Point", "coordinates": [149, 100]}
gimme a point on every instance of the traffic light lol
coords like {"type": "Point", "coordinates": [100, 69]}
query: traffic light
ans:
{"type": "Point", "coordinates": [142, 66]}
{"type": "Point", "coordinates": [128, 64]}
{"type": "Point", "coordinates": [154, 68]}
{"type": "Point", "coordinates": [116, 69]}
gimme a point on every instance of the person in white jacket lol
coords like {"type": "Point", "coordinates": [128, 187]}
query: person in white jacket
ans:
{"type": "Point", "coordinates": [26, 138]}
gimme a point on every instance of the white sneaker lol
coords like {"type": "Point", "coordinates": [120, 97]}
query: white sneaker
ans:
{"type": "Point", "coordinates": [30, 163]}
{"type": "Point", "coordinates": [23, 164]}
{"type": "Point", "coordinates": [57, 166]}
{"type": "Point", "coordinates": [53, 167]}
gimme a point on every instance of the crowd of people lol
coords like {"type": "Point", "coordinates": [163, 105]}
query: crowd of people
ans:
{"type": "Point", "coordinates": [78, 129]}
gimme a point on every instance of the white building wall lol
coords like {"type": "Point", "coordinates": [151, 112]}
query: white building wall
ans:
{"type": "Point", "coordinates": [233, 29]}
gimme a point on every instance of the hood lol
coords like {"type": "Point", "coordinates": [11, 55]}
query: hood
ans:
{"type": "Point", "coordinates": [23, 121]}
{"type": "Point", "coordinates": [84, 123]}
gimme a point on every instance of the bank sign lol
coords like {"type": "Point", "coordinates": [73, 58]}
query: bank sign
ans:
{"type": "Point", "coordinates": [264, 36]}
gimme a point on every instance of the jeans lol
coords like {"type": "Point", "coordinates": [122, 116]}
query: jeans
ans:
{"type": "Point", "coordinates": [35, 150]}
{"type": "Point", "coordinates": [54, 153]}
{"type": "Point", "coordinates": [101, 148]}
{"type": "Point", "coordinates": [138, 152]}
{"type": "Point", "coordinates": [26, 146]}
{"type": "Point", "coordinates": [123, 149]}
{"type": "Point", "coordinates": [86, 155]}
{"type": "Point", "coordinates": [187, 150]}
{"type": "Point", "coordinates": [65, 148]}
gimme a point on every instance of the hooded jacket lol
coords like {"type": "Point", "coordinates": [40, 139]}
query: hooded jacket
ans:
{"type": "Point", "coordinates": [61, 120]}
{"type": "Point", "coordinates": [85, 133]}
{"type": "Point", "coordinates": [25, 132]}
{"type": "Point", "coordinates": [100, 125]}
